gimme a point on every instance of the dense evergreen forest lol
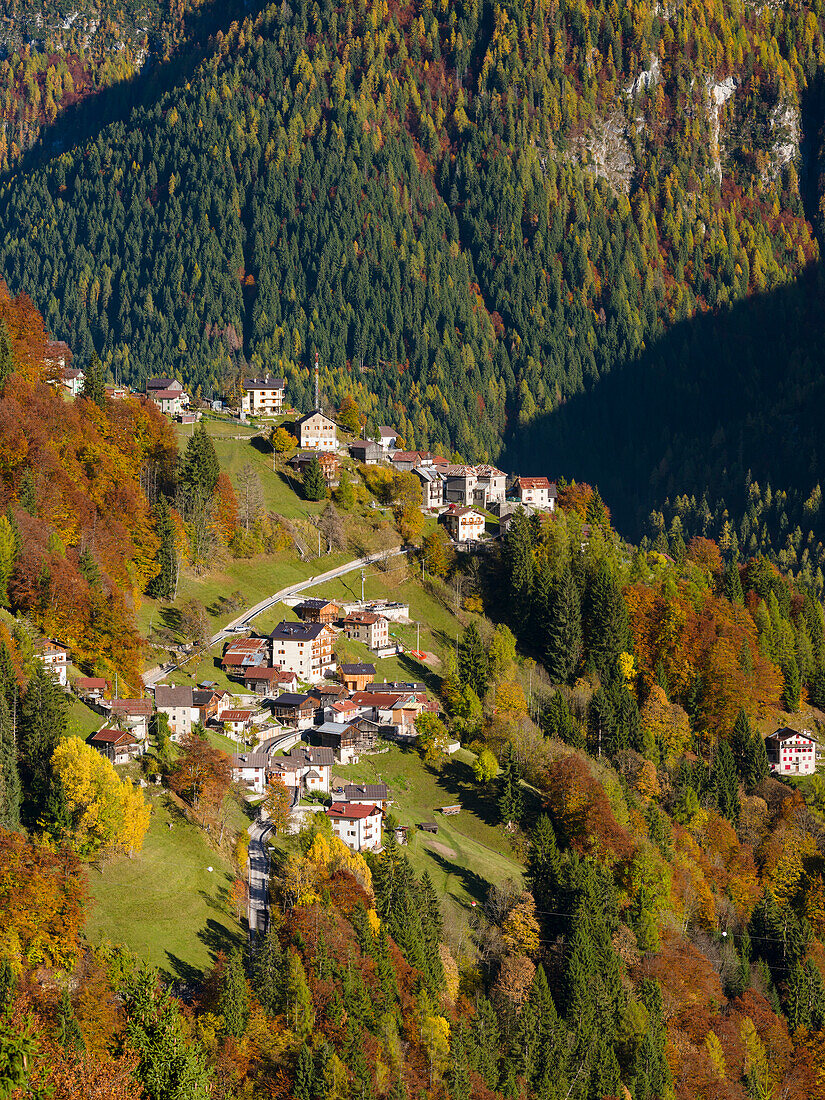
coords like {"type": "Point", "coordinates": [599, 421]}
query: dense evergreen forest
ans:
{"type": "Point", "coordinates": [476, 213]}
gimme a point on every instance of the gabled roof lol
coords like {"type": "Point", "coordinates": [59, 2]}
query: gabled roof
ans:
{"type": "Point", "coordinates": [536, 483]}
{"type": "Point", "coordinates": [373, 792]}
{"type": "Point", "coordinates": [486, 470]}
{"type": "Point", "coordinates": [374, 699]}
{"type": "Point", "coordinates": [314, 603]}
{"type": "Point", "coordinates": [294, 701]}
{"type": "Point", "coordinates": [91, 683]}
{"type": "Point", "coordinates": [364, 618]}
{"type": "Point", "coordinates": [273, 675]}
{"type": "Point", "coordinates": [132, 706]}
{"type": "Point", "coordinates": [352, 812]}
{"type": "Point", "coordinates": [250, 760]}
{"type": "Point", "coordinates": [387, 433]}
{"type": "Point", "coordinates": [108, 736]}
{"type": "Point", "coordinates": [162, 384]}
{"type": "Point", "coordinates": [297, 632]}
{"type": "Point", "coordinates": [309, 416]}
{"type": "Point", "coordinates": [456, 510]}
{"type": "Point", "coordinates": [264, 384]}
{"type": "Point", "coordinates": [236, 715]}
{"type": "Point", "coordinates": [786, 733]}
{"type": "Point", "coordinates": [344, 706]}
{"type": "Point", "coordinates": [357, 670]}
{"type": "Point", "coordinates": [166, 696]}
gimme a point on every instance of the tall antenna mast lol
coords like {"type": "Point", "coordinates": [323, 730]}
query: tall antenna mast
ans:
{"type": "Point", "coordinates": [317, 390]}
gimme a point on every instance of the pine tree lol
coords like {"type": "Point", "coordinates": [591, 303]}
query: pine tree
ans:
{"type": "Point", "coordinates": [88, 568]}
{"type": "Point", "coordinates": [233, 999]}
{"type": "Point", "coordinates": [520, 568]}
{"type": "Point", "coordinates": [200, 467]}
{"type": "Point", "coordinates": [733, 584]}
{"type": "Point", "coordinates": [6, 355]}
{"type": "Point", "coordinates": [564, 637]}
{"type": "Point", "coordinates": [473, 668]}
{"type": "Point", "coordinates": [304, 1074]}
{"type": "Point", "coordinates": [42, 724]}
{"type": "Point", "coordinates": [94, 382]}
{"type": "Point", "coordinates": [10, 790]}
{"type": "Point", "coordinates": [27, 494]}
{"type": "Point", "coordinates": [300, 1013]}
{"type": "Point", "coordinates": [606, 627]}
{"type": "Point", "coordinates": [69, 1034]}
{"type": "Point", "coordinates": [543, 864]}
{"type": "Point", "coordinates": [162, 586]}
{"type": "Point", "coordinates": [725, 782]}
{"type": "Point", "coordinates": [483, 1043]}
{"type": "Point", "coordinates": [315, 488]}
{"type": "Point", "coordinates": [458, 1074]}
{"type": "Point", "coordinates": [557, 722]}
{"type": "Point", "coordinates": [510, 800]}
{"type": "Point", "coordinates": [793, 686]}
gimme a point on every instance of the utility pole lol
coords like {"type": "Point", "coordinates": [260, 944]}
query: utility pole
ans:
{"type": "Point", "coordinates": [362, 586]}
{"type": "Point", "coordinates": [317, 388]}
{"type": "Point", "coordinates": [418, 636]}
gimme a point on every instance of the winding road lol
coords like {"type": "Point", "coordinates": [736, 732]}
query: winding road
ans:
{"type": "Point", "coordinates": [243, 621]}
{"type": "Point", "coordinates": [258, 878]}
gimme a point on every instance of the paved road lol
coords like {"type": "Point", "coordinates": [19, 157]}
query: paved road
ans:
{"type": "Point", "coordinates": [242, 622]}
{"type": "Point", "coordinates": [258, 878]}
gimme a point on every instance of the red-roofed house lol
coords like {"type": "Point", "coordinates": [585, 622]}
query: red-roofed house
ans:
{"type": "Point", "coordinates": [344, 711]}
{"type": "Point", "coordinates": [269, 681]}
{"type": "Point", "coordinates": [133, 715]}
{"type": "Point", "coordinates": [54, 657]}
{"type": "Point", "coordinates": [358, 826]}
{"type": "Point", "coordinates": [116, 745]}
{"type": "Point", "coordinates": [91, 687]}
{"type": "Point", "coordinates": [463, 524]}
{"type": "Point", "coordinates": [537, 491]}
{"type": "Point", "coordinates": [238, 721]}
{"type": "Point", "coordinates": [791, 752]}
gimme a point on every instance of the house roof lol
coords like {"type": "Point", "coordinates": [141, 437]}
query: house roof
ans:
{"type": "Point", "coordinates": [71, 373]}
{"type": "Point", "coordinates": [297, 632]}
{"type": "Point", "coordinates": [236, 660]}
{"type": "Point", "coordinates": [376, 699]}
{"type": "Point", "coordinates": [91, 683]}
{"type": "Point", "coordinates": [108, 736]}
{"type": "Point", "coordinates": [264, 384]}
{"type": "Point", "coordinates": [166, 395]}
{"type": "Point", "coordinates": [344, 706]}
{"type": "Point", "coordinates": [310, 415]}
{"type": "Point", "coordinates": [429, 473]}
{"type": "Point", "coordinates": [375, 792]}
{"type": "Point", "coordinates": [292, 700]}
{"type": "Point", "coordinates": [271, 674]}
{"type": "Point", "coordinates": [387, 433]}
{"type": "Point", "coordinates": [786, 733]}
{"type": "Point", "coordinates": [461, 511]}
{"type": "Point", "coordinates": [363, 445]}
{"type": "Point", "coordinates": [460, 471]}
{"type": "Point", "coordinates": [132, 706]}
{"type": "Point", "coordinates": [485, 470]}
{"type": "Point", "coordinates": [335, 729]}
{"type": "Point", "coordinates": [304, 758]}
{"type": "Point", "coordinates": [166, 696]}
{"type": "Point", "coordinates": [236, 715]}
{"type": "Point", "coordinates": [400, 686]}
{"type": "Point", "coordinates": [250, 760]}
{"type": "Point", "coordinates": [357, 670]}
{"type": "Point", "coordinates": [353, 811]}
{"type": "Point", "coordinates": [365, 618]}
{"type": "Point", "coordinates": [48, 646]}
{"type": "Point", "coordinates": [535, 483]}
{"type": "Point", "coordinates": [245, 645]}
{"type": "Point", "coordinates": [314, 603]}
{"type": "Point", "coordinates": [162, 384]}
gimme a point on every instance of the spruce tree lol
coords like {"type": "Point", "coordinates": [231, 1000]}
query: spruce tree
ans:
{"type": "Point", "coordinates": [6, 355]}
{"type": "Point", "coordinates": [520, 569]}
{"type": "Point", "coordinates": [510, 800]}
{"type": "Point", "coordinates": [564, 632]}
{"type": "Point", "coordinates": [27, 493]}
{"type": "Point", "coordinates": [94, 382]}
{"type": "Point", "coordinates": [268, 972]}
{"type": "Point", "coordinates": [732, 583]}
{"type": "Point", "coordinates": [606, 627]}
{"type": "Point", "coordinates": [315, 488]}
{"type": "Point", "coordinates": [304, 1074]}
{"type": "Point", "coordinates": [473, 667]}
{"type": "Point", "coordinates": [10, 789]}
{"type": "Point", "coordinates": [458, 1074]}
{"type": "Point", "coordinates": [483, 1043]}
{"type": "Point", "coordinates": [41, 725]}
{"type": "Point", "coordinates": [162, 586]}
{"type": "Point", "coordinates": [543, 865]}
{"type": "Point", "coordinates": [793, 686]}
{"type": "Point", "coordinates": [69, 1034]}
{"type": "Point", "coordinates": [200, 467]}
{"type": "Point", "coordinates": [725, 782]}
{"type": "Point", "coordinates": [557, 722]}
{"type": "Point", "coordinates": [233, 999]}
{"type": "Point", "coordinates": [88, 568]}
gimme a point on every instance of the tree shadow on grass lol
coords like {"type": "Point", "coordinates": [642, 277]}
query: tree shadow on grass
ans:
{"type": "Point", "coordinates": [216, 900]}
{"type": "Point", "coordinates": [457, 779]}
{"type": "Point", "coordinates": [183, 974]}
{"type": "Point", "coordinates": [218, 937]}
{"type": "Point", "coordinates": [474, 884]}
{"type": "Point", "coordinates": [419, 673]}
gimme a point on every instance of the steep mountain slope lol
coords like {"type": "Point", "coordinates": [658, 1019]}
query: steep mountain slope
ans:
{"type": "Point", "coordinates": [473, 212]}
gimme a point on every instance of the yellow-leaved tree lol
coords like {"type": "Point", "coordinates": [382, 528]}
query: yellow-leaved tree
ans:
{"type": "Point", "coordinates": [102, 811]}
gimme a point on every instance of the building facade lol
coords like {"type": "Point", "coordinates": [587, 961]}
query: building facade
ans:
{"type": "Point", "coordinates": [263, 396]}
{"type": "Point", "coordinates": [303, 648]}
{"type": "Point", "coordinates": [316, 432]}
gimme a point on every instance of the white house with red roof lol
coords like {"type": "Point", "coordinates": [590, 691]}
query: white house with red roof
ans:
{"type": "Point", "coordinates": [55, 660]}
{"type": "Point", "coordinates": [238, 722]}
{"type": "Point", "coordinates": [791, 752]}
{"type": "Point", "coordinates": [367, 627]}
{"type": "Point", "coordinates": [359, 826]}
{"type": "Point", "coordinates": [463, 524]}
{"type": "Point", "coordinates": [168, 394]}
{"type": "Point", "coordinates": [537, 491]}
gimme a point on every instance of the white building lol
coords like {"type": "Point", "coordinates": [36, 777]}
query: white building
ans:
{"type": "Point", "coordinates": [359, 826]}
{"type": "Point", "coordinates": [263, 396]}
{"type": "Point", "coordinates": [537, 491]}
{"type": "Point", "coordinates": [73, 379]}
{"type": "Point", "coordinates": [791, 752]}
{"type": "Point", "coordinates": [250, 768]}
{"type": "Point", "coordinates": [387, 438]}
{"type": "Point", "coordinates": [316, 432]}
{"type": "Point", "coordinates": [308, 769]}
{"type": "Point", "coordinates": [55, 660]}
{"type": "Point", "coordinates": [178, 705]}
{"type": "Point", "coordinates": [492, 482]}
{"type": "Point", "coordinates": [463, 524]}
{"type": "Point", "coordinates": [238, 721]}
{"type": "Point", "coordinates": [303, 648]}
{"type": "Point", "coordinates": [168, 394]}
{"type": "Point", "coordinates": [370, 629]}
{"type": "Point", "coordinates": [432, 486]}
